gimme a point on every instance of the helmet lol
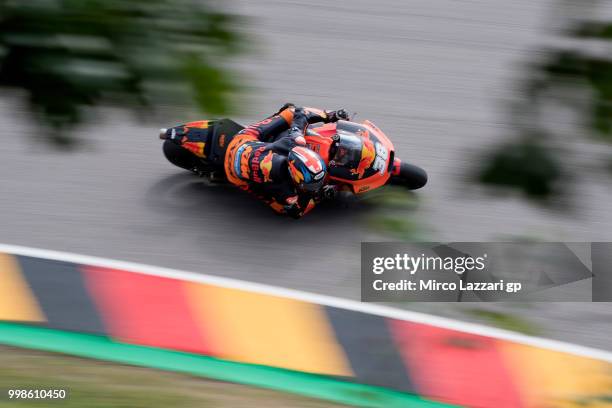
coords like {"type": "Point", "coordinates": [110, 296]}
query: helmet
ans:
{"type": "Point", "coordinates": [307, 169]}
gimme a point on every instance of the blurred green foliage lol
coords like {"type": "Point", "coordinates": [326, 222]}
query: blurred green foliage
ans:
{"type": "Point", "coordinates": [576, 77]}
{"type": "Point", "coordinates": [505, 321]}
{"type": "Point", "coordinates": [391, 213]}
{"type": "Point", "coordinates": [137, 54]}
{"type": "Point", "coordinates": [527, 165]}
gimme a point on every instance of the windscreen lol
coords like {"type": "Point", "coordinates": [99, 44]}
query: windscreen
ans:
{"type": "Point", "coordinates": [348, 150]}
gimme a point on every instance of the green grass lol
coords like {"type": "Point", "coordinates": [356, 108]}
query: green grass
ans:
{"type": "Point", "coordinates": [505, 321]}
{"type": "Point", "coordinates": [96, 384]}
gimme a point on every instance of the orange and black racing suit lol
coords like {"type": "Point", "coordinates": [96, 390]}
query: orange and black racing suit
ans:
{"type": "Point", "coordinates": [256, 158]}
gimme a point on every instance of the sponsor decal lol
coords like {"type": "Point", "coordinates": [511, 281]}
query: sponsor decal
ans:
{"type": "Point", "coordinates": [232, 159]}
{"type": "Point", "coordinates": [261, 167]}
{"type": "Point", "coordinates": [200, 124]}
{"type": "Point", "coordinates": [310, 158]}
{"type": "Point", "coordinates": [380, 163]}
{"type": "Point", "coordinates": [368, 155]}
{"type": "Point", "coordinates": [266, 167]}
{"type": "Point", "coordinates": [196, 148]}
{"type": "Point", "coordinates": [244, 161]}
{"type": "Point", "coordinates": [297, 175]}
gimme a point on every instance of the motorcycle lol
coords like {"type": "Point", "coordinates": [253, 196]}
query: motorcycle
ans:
{"type": "Point", "coordinates": [359, 156]}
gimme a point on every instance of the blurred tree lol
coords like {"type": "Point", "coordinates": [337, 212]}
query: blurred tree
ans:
{"type": "Point", "coordinates": [525, 164]}
{"type": "Point", "coordinates": [576, 77]}
{"type": "Point", "coordinates": [69, 54]}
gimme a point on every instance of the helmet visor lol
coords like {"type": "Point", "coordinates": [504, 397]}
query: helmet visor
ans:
{"type": "Point", "coordinates": [313, 186]}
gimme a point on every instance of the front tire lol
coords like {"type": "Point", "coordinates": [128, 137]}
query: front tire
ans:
{"type": "Point", "coordinates": [410, 176]}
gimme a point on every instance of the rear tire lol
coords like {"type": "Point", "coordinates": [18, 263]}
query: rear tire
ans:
{"type": "Point", "coordinates": [410, 176]}
{"type": "Point", "coordinates": [180, 157]}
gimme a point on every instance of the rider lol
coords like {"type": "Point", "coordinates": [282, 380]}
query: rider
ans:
{"type": "Point", "coordinates": [279, 169]}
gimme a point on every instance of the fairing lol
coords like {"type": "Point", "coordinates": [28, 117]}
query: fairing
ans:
{"type": "Point", "coordinates": [361, 158]}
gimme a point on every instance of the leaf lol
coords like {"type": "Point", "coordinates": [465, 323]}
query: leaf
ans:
{"type": "Point", "coordinates": [72, 54]}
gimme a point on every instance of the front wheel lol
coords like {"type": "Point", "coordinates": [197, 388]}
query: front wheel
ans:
{"type": "Point", "coordinates": [410, 176]}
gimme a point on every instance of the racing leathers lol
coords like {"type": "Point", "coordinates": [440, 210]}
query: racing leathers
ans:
{"type": "Point", "coordinates": [256, 158]}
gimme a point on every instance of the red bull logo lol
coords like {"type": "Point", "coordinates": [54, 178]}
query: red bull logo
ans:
{"type": "Point", "coordinates": [266, 167]}
{"type": "Point", "coordinates": [261, 167]}
{"type": "Point", "coordinates": [368, 155]}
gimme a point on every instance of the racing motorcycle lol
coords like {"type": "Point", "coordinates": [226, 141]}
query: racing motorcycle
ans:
{"type": "Point", "coordinates": [359, 156]}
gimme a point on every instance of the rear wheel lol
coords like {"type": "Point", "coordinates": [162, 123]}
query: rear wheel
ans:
{"type": "Point", "coordinates": [410, 176]}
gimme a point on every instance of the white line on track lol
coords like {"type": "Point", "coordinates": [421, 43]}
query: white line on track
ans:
{"type": "Point", "coordinates": [379, 310]}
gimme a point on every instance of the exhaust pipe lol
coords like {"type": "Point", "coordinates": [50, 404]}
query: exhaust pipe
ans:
{"type": "Point", "coordinates": [163, 134]}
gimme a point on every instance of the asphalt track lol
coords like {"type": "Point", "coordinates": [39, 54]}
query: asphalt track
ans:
{"type": "Point", "coordinates": [434, 75]}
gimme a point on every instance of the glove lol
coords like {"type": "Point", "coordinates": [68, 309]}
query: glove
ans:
{"type": "Point", "coordinates": [340, 114]}
{"type": "Point", "coordinates": [300, 123]}
{"type": "Point", "coordinates": [329, 192]}
{"type": "Point", "coordinates": [285, 106]}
